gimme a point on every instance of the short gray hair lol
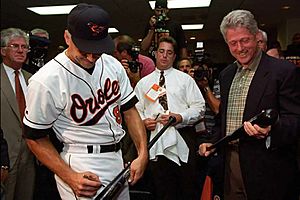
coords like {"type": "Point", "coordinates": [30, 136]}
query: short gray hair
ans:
{"type": "Point", "coordinates": [38, 31]}
{"type": "Point", "coordinates": [264, 35]}
{"type": "Point", "coordinates": [239, 18]}
{"type": "Point", "coordinates": [10, 33]}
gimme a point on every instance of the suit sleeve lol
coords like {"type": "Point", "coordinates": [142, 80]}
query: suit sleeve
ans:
{"type": "Point", "coordinates": [287, 130]}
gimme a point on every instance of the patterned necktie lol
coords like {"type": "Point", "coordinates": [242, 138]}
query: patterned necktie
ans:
{"type": "Point", "coordinates": [163, 99]}
{"type": "Point", "coordinates": [19, 95]}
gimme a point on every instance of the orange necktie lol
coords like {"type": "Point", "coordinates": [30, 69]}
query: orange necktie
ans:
{"type": "Point", "coordinates": [19, 95]}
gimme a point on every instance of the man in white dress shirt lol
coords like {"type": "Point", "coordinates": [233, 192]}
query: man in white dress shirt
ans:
{"type": "Point", "coordinates": [173, 157]}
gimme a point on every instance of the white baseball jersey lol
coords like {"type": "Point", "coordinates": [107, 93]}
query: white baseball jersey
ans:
{"type": "Point", "coordinates": [80, 107]}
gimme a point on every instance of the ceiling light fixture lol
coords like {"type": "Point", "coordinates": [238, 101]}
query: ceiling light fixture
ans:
{"type": "Point", "coordinates": [173, 4]}
{"type": "Point", "coordinates": [199, 45]}
{"type": "Point", "coordinates": [192, 26]}
{"type": "Point", "coordinates": [52, 10]}
{"type": "Point", "coordinates": [113, 30]}
{"type": "Point", "coordinates": [192, 38]}
{"type": "Point", "coordinates": [285, 7]}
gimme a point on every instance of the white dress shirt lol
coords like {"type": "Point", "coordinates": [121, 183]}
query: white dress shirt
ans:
{"type": "Point", "coordinates": [11, 76]}
{"type": "Point", "coordinates": [184, 98]}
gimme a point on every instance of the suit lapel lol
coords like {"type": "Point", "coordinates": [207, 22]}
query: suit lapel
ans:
{"type": "Point", "coordinates": [257, 88]}
{"type": "Point", "coordinates": [26, 76]}
{"type": "Point", "coordinates": [227, 81]}
{"type": "Point", "coordinates": [8, 92]}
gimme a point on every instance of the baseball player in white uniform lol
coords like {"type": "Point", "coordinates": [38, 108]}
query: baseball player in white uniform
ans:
{"type": "Point", "coordinates": [79, 94]}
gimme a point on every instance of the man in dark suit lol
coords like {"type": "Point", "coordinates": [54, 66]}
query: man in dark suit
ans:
{"type": "Point", "coordinates": [262, 163]}
{"type": "Point", "coordinates": [4, 162]}
{"type": "Point", "coordinates": [20, 181]}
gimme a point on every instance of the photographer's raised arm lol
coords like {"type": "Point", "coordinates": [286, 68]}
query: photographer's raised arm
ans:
{"type": "Point", "coordinates": [145, 44]}
{"type": "Point", "coordinates": [212, 101]}
{"type": "Point", "coordinates": [208, 94]}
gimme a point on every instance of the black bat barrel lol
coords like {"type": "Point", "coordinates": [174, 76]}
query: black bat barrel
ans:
{"type": "Point", "coordinates": [265, 118]}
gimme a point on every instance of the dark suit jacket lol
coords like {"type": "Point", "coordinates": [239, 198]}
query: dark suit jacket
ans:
{"type": "Point", "coordinates": [4, 150]}
{"type": "Point", "coordinates": [269, 173]}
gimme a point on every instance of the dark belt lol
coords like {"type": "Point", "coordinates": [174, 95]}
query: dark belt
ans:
{"type": "Point", "coordinates": [106, 148]}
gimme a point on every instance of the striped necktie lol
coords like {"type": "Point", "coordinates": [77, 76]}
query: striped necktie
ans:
{"type": "Point", "coordinates": [163, 99]}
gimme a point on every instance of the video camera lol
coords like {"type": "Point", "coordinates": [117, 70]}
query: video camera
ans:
{"type": "Point", "coordinates": [38, 46]}
{"type": "Point", "coordinates": [38, 50]}
{"type": "Point", "coordinates": [160, 25]}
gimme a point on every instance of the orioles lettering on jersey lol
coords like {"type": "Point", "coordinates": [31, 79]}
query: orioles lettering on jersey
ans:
{"type": "Point", "coordinates": [95, 105]}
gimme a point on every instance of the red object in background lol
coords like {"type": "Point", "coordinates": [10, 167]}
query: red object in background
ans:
{"type": "Point", "coordinates": [207, 189]}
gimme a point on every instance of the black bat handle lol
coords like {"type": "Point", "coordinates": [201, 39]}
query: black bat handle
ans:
{"type": "Point", "coordinates": [155, 138]}
{"type": "Point", "coordinates": [265, 118]}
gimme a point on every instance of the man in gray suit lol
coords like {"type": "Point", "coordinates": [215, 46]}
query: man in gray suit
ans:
{"type": "Point", "coordinates": [14, 49]}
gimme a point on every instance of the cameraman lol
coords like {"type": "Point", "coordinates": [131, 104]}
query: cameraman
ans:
{"type": "Point", "coordinates": [39, 43]}
{"type": "Point", "coordinates": [137, 66]}
{"type": "Point", "coordinates": [160, 25]}
{"type": "Point", "coordinates": [204, 78]}
{"type": "Point", "coordinates": [210, 89]}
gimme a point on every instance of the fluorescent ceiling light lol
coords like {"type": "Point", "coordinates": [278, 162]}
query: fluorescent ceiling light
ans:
{"type": "Point", "coordinates": [199, 45]}
{"type": "Point", "coordinates": [192, 26]}
{"type": "Point", "coordinates": [52, 10]}
{"type": "Point", "coordinates": [113, 30]}
{"type": "Point", "coordinates": [172, 4]}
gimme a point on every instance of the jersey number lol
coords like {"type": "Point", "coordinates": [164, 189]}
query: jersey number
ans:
{"type": "Point", "coordinates": [117, 114]}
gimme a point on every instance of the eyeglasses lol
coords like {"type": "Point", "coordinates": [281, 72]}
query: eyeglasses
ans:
{"type": "Point", "coordinates": [16, 47]}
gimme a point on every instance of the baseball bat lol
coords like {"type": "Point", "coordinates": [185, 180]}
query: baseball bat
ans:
{"type": "Point", "coordinates": [115, 186]}
{"type": "Point", "coordinates": [263, 119]}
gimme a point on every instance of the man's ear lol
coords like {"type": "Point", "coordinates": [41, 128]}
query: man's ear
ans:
{"type": "Point", "coordinates": [67, 37]}
{"type": "Point", "coordinates": [3, 52]}
{"type": "Point", "coordinates": [174, 58]}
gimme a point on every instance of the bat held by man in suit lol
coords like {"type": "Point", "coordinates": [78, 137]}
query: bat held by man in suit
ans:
{"type": "Point", "coordinates": [265, 118]}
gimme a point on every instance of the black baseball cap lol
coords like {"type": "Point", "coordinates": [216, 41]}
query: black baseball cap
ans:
{"type": "Point", "coordinates": [161, 4]}
{"type": "Point", "coordinates": [88, 26]}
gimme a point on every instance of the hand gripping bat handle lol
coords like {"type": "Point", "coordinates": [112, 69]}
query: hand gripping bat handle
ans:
{"type": "Point", "coordinates": [263, 119]}
{"type": "Point", "coordinates": [115, 186]}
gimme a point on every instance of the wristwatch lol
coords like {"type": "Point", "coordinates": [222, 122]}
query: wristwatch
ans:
{"type": "Point", "coordinates": [206, 89]}
{"type": "Point", "coordinates": [4, 167]}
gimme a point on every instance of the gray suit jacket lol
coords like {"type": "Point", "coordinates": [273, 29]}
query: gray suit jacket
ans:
{"type": "Point", "coordinates": [10, 117]}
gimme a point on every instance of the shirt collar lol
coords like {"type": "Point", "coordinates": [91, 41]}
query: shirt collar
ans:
{"type": "Point", "coordinates": [9, 70]}
{"type": "Point", "coordinates": [253, 66]}
{"type": "Point", "coordinates": [166, 71]}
